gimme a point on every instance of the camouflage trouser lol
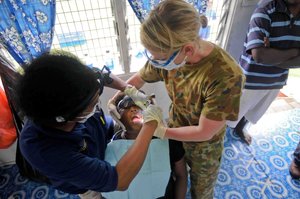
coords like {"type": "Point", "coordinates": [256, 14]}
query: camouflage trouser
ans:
{"type": "Point", "coordinates": [204, 159]}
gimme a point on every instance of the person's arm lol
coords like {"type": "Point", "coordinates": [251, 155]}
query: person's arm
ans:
{"type": "Point", "coordinates": [283, 58]}
{"type": "Point", "coordinates": [117, 83]}
{"type": "Point", "coordinates": [138, 97]}
{"type": "Point", "coordinates": [292, 63]}
{"type": "Point", "coordinates": [136, 81]}
{"type": "Point", "coordinates": [205, 130]}
{"type": "Point", "coordinates": [273, 56]}
{"type": "Point", "coordinates": [129, 165]}
{"type": "Point", "coordinates": [258, 43]}
{"type": "Point", "coordinates": [180, 172]}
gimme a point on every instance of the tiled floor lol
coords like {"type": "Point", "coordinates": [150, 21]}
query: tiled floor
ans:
{"type": "Point", "coordinates": [282, 103]}
{"type": "Point", "coordinates": [292, 88]}
{"type": "Point", "coordinates": [261, 169]}
{"type": "Point", "coordinates": [289, 97]}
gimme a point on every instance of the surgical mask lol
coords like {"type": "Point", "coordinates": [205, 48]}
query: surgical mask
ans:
{"type": "Point", "coordinates": [166, 64]}
{"type": "Point", "coordinates": [96, 109]}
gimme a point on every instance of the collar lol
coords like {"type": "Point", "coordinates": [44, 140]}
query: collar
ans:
{"type": "Point", "coordinates": [280, 6]}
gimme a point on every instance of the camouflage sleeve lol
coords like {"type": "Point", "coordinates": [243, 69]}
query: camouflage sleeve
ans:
{"type": "Point", "coordinates": [150, 74]}
{"type": "Point", "coordinates": [223, 98]}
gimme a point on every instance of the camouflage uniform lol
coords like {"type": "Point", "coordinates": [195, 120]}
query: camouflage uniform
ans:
{"type": "Point", "coordinates": [211, 88]}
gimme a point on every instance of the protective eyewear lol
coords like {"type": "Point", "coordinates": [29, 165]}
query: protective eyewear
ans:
{"type": "Point", "coordinates": [125, 103]}
{"type": "Point", "coordinates": [161, 63]}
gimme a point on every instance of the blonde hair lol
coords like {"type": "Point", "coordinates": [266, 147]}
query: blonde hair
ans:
{"type": "Point", "coordinates": [171, 25]}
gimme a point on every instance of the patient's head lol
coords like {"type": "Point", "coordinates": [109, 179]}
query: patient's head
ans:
{"type": "Point", "coordinates": [131, 116]}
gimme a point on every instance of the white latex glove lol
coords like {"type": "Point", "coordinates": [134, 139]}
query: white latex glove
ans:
{"type": "Point", "coordinates": [112, 110]}
{"type": "Point", "coordinates": [139, 98]}
{"type": "Point", "coordinates": [160, 131]}
{"type": "Point", "coordinates": [152, 112]}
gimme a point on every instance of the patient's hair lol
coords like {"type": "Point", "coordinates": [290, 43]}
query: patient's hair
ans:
{"type": "Point", "coordinates": [56, 85]}
{"type": "Point", "coordinates": [171, 25]}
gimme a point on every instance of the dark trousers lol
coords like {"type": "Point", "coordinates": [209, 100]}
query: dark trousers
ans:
{"type": "Point", "coordinates": [297, 155]}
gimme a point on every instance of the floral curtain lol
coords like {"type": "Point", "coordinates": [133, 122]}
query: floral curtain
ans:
{"type": "Point", "coordinates": [26, 31]}
{"type": "Point", "coordinates": [26, 27]}
{"type": "Point", "coordinates": [142, 8]}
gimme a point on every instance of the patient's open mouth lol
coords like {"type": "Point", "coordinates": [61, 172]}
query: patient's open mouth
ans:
{"type": "Point", "coordinates": [136, 118]}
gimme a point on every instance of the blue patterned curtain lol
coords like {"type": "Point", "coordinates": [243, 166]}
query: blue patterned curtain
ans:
{"type": "Point", "coordinates": [26, 27]}
{"type": "Point", "coordinates": [26, 31]}
{"type": "Point", "coordinates": [142, 8]}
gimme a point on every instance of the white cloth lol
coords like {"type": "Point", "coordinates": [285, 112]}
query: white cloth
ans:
{"type": "Point", "coordinates": [152, 179]}
{"type": "Point", "coordinates": [253, 105]}
{"type": "Point", "coordinates": [90, 195]}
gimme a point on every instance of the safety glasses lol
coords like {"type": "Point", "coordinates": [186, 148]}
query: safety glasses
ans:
{"type": "Point", "coordinates": [161, 63]}
{"type": "Point", "coordinates": [125, 103]}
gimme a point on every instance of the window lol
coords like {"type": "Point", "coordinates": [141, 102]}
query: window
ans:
{"type": "Point", "coordinates": [107, 31]}
{"type": "Point", "coordinates": [86, 28]}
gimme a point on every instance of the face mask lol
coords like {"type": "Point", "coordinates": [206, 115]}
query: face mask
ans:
{"type": "Point", "coordinates": [97, 108]}
{"type": "Point", "coordinates": [85, 118]}
{"type": "Point", "coordinates": [166, 64]}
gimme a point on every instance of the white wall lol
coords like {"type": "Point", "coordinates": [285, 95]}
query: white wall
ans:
{"type": "Point", "coordinates": [238, 24]}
